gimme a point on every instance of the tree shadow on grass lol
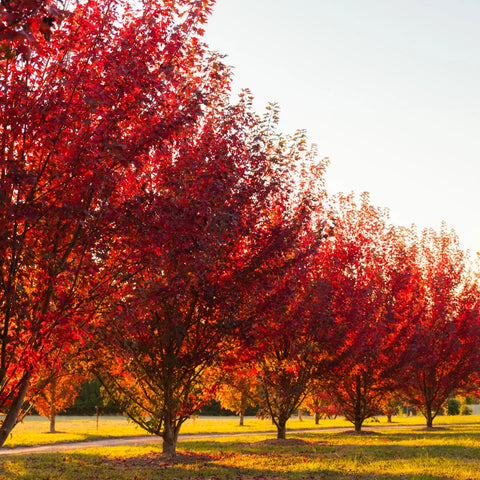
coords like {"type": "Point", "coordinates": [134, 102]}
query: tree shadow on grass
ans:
{"type": "Point", "coordinates": [154, 465]}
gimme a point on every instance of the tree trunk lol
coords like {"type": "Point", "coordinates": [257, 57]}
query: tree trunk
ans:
{"type": "Point", "coordinates": [281, 430]}
{"type": "Point", "coordinates": [317, 418]}
{"type": "Point", "coordinates": [170, 437]}
{"type": "Point", "coordinates": [359, 410]}
{"type": "Point", "coordinates": [53, 412]}
{"type": "Point", "coordinates": [243, 406]}
{"type": "Point", "coordinates": [429, 417]}
{"type": "Point", "coordinates": [300, 415]}
{"type": "Point", "coordinates": [389, 418]}
{"type": "Point", "coordinates": [10, 419]}
{"type": "Point", "coordinates": [358, 424]}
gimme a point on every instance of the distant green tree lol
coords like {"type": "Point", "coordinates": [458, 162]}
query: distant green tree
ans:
{"type": "Point", "coordinates": [90, 399]}
{"type": "Point", "coordinates": [453, 406]}
{"type": "Point", "coordinates": [465, 410]}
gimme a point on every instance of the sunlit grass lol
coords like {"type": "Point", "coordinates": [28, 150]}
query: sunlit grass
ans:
{"type": "Point", "coordinates": [452, 453]}
{"type": "Point", "coordinates": [33, 431]}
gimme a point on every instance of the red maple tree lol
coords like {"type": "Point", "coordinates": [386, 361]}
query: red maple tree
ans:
{"type": "Point", "coordinates": [319, 403]}
{"type": "Point", "coordinates": [284, 343]}
{"type": "Point", "coordinates": [211, 199]}
{"type": "Point", "coordinates": [443, 353]}
{"type": "Point", "coordinates": [62, 387]}
{"type": "Point", "coordinates": [235, 386]}
{"type": "Point", "coordinates": [358, 264]}
{"type": "Point", "coordinates": [79, 118]}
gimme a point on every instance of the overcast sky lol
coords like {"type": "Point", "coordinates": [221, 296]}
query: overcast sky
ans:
{"type": "Point", "coordinates": [387, 89]}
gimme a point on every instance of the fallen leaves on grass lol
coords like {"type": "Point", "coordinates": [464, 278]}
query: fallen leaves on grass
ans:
{"type": "Point", "coordinates": [361, 432]}
{"type": "Point", "coordinates": [288, 442]}
{"type": "Point", "coordinates": [162, 460]}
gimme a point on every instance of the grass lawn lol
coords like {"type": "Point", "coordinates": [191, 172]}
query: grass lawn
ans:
{"type": "Point", "coordinates": [452, 452]}
{"type": "Point", "coordinates": [34, 430]}
{"type": "Point", "coordinates": [448, 453]}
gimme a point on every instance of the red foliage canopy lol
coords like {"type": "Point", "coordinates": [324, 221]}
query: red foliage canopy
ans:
{"type": "Point", "coordinates": [443, 349]}
{"type": "Point", "coordinates": [79, 119]}
{"type": "Point", "coordinates": [23, 23]}
{"type": "Point", "coordinates": [365, 339]}
{"type": "Point", "coordinates": [215, 203]}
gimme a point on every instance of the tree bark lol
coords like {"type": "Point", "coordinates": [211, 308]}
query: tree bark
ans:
{"type": "Point", "coordinates": [53, 412]}
{"type": "Point", "coordinates": [170, 437]}
{"type": "Point", "coordinates": [429, 417]}
{"type": "Point", "coordinates": [389, 418]}
{"type": "Point", "coordinates": [359, 410]}
{"type": "Point", "coordinates": [281, 430]}
{"type": "Point", "coordinates": [10, 419]}
{"type": "Point", "coordinates": [358, 424]}
{"type": "Point", "coordinates": [300, 415]}
{"type": "Point", "coordinates": [243, 406]}
{"type": "Point", "coordinates": [317, 418]}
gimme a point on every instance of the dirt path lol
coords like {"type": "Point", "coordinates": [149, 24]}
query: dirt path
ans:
{"type": "Point", "coordinates": [150, 439]}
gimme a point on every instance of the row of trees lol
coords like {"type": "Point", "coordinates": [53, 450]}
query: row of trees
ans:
{"type": "Point", "coordinates": [150, 230]}
{"type": "Point", "coordinates": [380, 316]}
{"type": "Point", "coordinates": [374, 321]}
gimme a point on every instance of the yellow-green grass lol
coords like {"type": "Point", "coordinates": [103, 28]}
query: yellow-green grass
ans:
{"type": "Point", "coordinates": [450, 453]}
{"type": "Point", "coordinates": [34, 430]}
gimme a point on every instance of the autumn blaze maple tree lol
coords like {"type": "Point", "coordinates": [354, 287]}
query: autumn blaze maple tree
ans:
{"type": "Point", "coordinates": [319, 403]}
{"type": "Point", "coordinates": [283, 343]}
{"type": "Point", "coordinates": [79, 117]}
{"type": "Point", "coordinates": [233, 381]}
{"type": "Point", "coordinates": [237, 391]}
{"type": "Point", "coordinates": [62, 387]}
{"type": "Point", "coordinates": [357, 264]}
{"type": "Point", "coordinates": [443, 340]}
{"type": "Point", "coordinates": [286, 352]}
{"type": "Point", "coordinates": [143, 215]}
{"type": "Point", "coordinates": [57, 382]}
{"type": "Point", "coordinates": [213, 199]}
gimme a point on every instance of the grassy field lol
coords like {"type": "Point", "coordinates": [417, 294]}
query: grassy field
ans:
{"type": "Point", "coordinates": [34, 430]}
{"type": "Point", "coordinates": [451, 452]}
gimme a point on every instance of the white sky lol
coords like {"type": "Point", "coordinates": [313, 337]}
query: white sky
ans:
{"type": "Point", "coordinates": [389, 90]}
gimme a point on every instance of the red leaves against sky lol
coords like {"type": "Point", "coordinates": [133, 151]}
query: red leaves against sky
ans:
{"type": "Point", "coordinates": [80, 121]}
{"type": "Point", "coordinates": [24, 24]}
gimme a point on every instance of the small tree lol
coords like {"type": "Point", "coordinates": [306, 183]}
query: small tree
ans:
{"type": "Point", "coordinates": [321, 404]}
{"type": "Point", "coordinates": [59, 394]}
{"type": "Point", "coordinates": [237, 395]}
{"type": "Point", "coordinates": [236, 387]}
{"type": "Point", "coordinates": [57, 384]}
{"type": "Point", "coordinates": [443, 353]}
{"type": "Point", "coordinates": [390, 405]}
{"type": "Point", "coordinates": [359, 266]}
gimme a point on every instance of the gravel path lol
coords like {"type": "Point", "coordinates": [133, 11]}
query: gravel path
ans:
{"type": "Point", "coordinates": [151, 439]}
